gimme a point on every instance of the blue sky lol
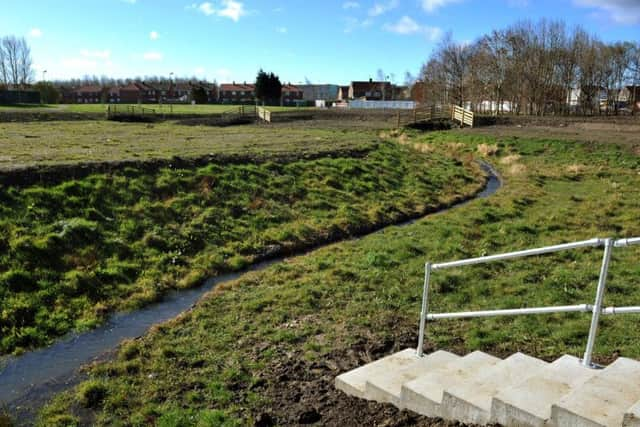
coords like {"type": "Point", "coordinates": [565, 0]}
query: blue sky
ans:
{"type": "Point", "coordinates": [324, 41]}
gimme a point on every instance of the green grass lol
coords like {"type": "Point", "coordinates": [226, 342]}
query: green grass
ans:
{"type": "Point", "coordinates": [358, 294]}
{"type": "Point", "coordinates": [72, 252]}
{"type": "Point", "coordinates": [52, 143]}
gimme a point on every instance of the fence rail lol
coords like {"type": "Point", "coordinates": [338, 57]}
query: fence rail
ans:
{"type": "Point", "coordinates": [424, 113]}
{"type": "Point", "coordinates": [115, 110]}
{"type": "Point", "coordinates": [595, 309]}
{"type": "Point", "coordinates": [264, 114]}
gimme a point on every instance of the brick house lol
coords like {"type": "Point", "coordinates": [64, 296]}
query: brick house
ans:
{"type": "Point", "coordinates": [128, 94]}
{"type": "Point", "coordinates": [91, 94]}
{"type": "Point", "coordinates": [291, 95]}
{"type": "Point", "coordinates": [148, 94]}
{"type": "Point", "coordinates": [371, 91]}
{"type": "Point", "coordinates": [232, 93]}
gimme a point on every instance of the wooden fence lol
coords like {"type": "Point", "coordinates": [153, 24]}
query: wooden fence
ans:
{"type": "Point", "coordinates": [264, 114]}
{"type": "Point", "coordinates": [433, 112]}
{"type": "Point", "coordinates": [115, 111]}
{"type": "Point", "coordinates": [459, 114]}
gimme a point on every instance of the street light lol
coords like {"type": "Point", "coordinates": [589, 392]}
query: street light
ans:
{"type": "Point", "coordinates": [44, 81]}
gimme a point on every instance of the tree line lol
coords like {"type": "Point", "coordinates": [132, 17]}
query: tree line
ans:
{"type": "Point", "coordinates": [533, 68]}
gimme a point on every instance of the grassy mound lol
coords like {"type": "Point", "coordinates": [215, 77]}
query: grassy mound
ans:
{"type": "Point", "coordinates": [269, 346]}
{"type": "Point", "coordinates": [72, 252]}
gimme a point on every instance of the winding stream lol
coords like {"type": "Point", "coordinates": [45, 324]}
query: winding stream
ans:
{"type": "Point", "coordinates": [29, 380]}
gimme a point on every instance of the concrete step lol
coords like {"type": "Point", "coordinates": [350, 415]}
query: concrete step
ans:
{"type": "Point", "coordinates": [424, 394]}
{"type": "Point", "coordinates": [470, 402]}
{"type": "Point", "coordinates": [632, 417]}
{"type": "Point", "coordinates": [385, 386]}
{"type": "Point", "coordinates": [353, 382]}
{"type": "Point", "coordinates": [603, 400]}
{"type": "Point", "coordinates": [529, 402]}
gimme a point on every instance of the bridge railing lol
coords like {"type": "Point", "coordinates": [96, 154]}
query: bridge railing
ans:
{"type": "Point", "coordinates": [595, 309]}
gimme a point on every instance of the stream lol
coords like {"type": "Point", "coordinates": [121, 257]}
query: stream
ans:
{"type": "Point", "coordinates": [29, 380]}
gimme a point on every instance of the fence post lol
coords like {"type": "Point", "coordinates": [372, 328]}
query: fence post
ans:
{"type": "Point", "coordinates": [398, 120]}
{"type": "Point", "coordinates": [597, 306]}
{"type": "Point", "coordinates": [425, 307]}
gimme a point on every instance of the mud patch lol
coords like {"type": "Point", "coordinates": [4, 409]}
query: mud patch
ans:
{"type": "Point", "coordinates": [303, 392]}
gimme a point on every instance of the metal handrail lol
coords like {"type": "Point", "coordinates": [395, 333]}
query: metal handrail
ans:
{"type": "Point", "coordinates": [595, 309]}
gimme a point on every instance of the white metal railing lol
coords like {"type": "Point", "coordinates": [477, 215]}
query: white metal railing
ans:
{"type": "Point", "coordinates": [595, 309]}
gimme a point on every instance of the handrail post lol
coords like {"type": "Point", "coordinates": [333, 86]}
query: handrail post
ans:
{"type": "Point", "coordinates": [597, 306]}
{"type": "Point", "coordinates": [425, 307]}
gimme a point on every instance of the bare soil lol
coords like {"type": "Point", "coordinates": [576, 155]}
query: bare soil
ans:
{"type": "Point", "coordinates": [619, 130]}
{"type": "Point", "coordinates": [303, 392]}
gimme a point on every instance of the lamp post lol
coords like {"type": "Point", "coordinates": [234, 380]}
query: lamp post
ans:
{"type": "Point", "coordinates": [44, 87]}
{"type": "Point", "coordinates": [170, 86]}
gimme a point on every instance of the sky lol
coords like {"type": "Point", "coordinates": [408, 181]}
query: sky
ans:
{"type": "Point", "coordinates": [317, 41]}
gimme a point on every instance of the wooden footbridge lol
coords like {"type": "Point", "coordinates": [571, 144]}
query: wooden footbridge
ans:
{"type": "Point", "coordinates": [434, 112]}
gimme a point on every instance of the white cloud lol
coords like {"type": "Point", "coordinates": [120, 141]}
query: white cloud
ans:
{"type": "Point", "coordinates": [152, 56]}
{"type": "Point", "coordinates": [199, 71]}
{"type": "Point", "coordinates": [282, 30]}
{"type": "Point", "coordinates": [619, 11]}
{"type": "Point", "coordinates": [231, 9]}
{"type": "Point", "coordinates": [432, 5]}
{"type": "Point", "coordinates": [97, 54]}
{"type": "Point", "coordinates": [153, 35]}
{"type": "Point", "coordinates": [382, 8]}
{"type": "Point", "coordinates": [407, 26]}
{"type": "Point", "coordinates": [353, 24]}
{"type": "Point", "coordinates": [350, 5]}
{"type": "Point", "coordinates": [35, 33]}
{"type": "Point", "coordinates": [207, 8]}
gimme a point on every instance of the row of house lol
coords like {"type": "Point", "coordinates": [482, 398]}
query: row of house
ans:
{"type": "Point", "coordinates": [138, 92]}
{"type": "Point", "coordinates": [245, 93]}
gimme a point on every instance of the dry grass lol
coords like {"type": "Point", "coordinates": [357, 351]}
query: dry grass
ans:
{"type": "Point", "coordinates": [509, 160]}
{"type": "Point", "coordinates": [487, 150]}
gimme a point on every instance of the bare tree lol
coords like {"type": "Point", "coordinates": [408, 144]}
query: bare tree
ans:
{"type": "Point", "coordinates": [16, 67]}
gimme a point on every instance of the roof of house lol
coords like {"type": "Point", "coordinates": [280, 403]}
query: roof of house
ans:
{"type": "Point", "coordinates": [368, 85]}
{"type": "Point", "coordinates": [89, 89]}
{"type": "Point", "coordinates": [291, 88]}
{"type": "Point", "coordinates": [237, 87]}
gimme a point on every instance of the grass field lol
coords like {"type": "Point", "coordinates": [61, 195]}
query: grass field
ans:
{"type": "Point", "coordinates": [272, 342]}
{"type": "Point", "coordinates": [62, 142]}
{"type": "Point", "coordinates": [73, 251]}
{"type": "Point", "coordinates": [167, 109]}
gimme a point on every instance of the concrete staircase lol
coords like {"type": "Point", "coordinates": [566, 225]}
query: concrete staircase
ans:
{"type": "Point", "coordinates": [517, 391]}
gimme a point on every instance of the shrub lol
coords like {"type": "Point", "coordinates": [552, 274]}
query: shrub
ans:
{"type": "Point", "coordinates": [91, 394]}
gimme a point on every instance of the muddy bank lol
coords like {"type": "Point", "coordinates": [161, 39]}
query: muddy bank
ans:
{"type": "Point", "coordinates": [303, 392]}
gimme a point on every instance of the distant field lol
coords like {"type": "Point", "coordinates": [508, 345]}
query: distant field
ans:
{"type": "Point", "coordinates": [175, 109]}
{"type": "Point", "coordinates": [49, 143]}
